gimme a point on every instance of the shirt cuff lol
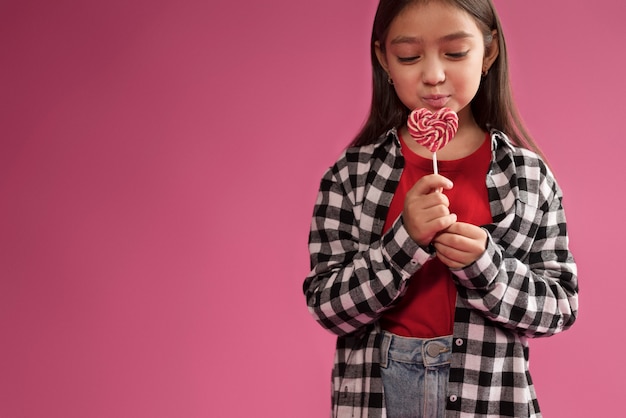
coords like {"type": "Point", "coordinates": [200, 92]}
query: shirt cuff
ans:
{"type": "Point", "coordinates": [404, 253]}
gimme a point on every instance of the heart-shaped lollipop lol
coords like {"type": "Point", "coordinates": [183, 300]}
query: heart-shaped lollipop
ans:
{"type": "Point", "coordinates": [433, 130]}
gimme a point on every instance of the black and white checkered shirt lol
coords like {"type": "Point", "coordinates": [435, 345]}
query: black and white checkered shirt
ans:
{"type": "Point", "coordinates": [524, 285]}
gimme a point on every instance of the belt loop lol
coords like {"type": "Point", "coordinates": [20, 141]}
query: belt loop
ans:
{"type": "Point", "coordinates": [384, 349]}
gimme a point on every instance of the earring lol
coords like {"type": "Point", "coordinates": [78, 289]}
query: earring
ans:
{"type": "Point", "coordinates": [389, 80]}
{"type": "Point", "coordinates": [485, 72]}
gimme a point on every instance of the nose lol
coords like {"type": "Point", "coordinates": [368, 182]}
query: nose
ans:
{"type": "Point", "coordinates": [433, 72]}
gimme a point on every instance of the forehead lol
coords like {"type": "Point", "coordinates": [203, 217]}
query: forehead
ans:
{"type": "Point", "coordinates": [432, 21]}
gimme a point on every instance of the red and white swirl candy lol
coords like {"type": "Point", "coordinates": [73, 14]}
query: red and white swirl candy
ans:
{"type": "Point", "coordinates": [433, 130]}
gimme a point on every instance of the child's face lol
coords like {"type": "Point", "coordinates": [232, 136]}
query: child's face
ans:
{"type": "Point", "coordinates": [435, 55]}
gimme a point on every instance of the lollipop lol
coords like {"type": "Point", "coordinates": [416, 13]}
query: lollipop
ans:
{"type": "Point", "coordinates": [433, 130]}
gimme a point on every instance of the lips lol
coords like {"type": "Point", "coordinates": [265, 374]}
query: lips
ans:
{"type": "Point", "coordinates": [436, 101]}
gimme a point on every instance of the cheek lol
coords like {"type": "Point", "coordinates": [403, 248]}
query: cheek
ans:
{"type": "Point", "coordinates": [402, 74]}
{"type": "Point", "coordinates": [469, 80]}
{"type": "Point", "coordinates": [406, 91]}
{"type": "Point", "coordinates": [405, 84]}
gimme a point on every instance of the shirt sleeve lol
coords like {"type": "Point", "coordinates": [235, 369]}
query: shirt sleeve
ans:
{"type": "Point", "coordinates": [352, 282]}
{"type": "Point", "coordinates": [526, 280]}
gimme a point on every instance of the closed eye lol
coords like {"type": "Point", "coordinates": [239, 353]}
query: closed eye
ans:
{"type": "Point", "coordinates": [408, 59]}
{"type": "Point", "coordinates": [457, 55]}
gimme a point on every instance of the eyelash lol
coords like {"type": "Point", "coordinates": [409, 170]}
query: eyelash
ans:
{"type": "Point", "coordinates": [408, 59]}
{"type": "Point", "coordinates": [455, 55]}
{"type": "Point", "coordinates": [458, 55]}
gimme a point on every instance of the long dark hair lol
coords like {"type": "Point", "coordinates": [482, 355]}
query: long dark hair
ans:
{"type": "Point", "coordinates": [493, 105]}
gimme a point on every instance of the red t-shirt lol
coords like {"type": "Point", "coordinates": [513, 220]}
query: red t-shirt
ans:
{"type": "Point", "coordinates": [427, 308]}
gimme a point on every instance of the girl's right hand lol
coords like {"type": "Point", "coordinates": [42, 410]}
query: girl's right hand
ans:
{"type": "Point", "coordinates": [426, 210]}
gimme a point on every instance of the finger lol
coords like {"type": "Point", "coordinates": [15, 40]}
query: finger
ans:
{"type": "Point", "coordinates": [424, 231]}
{"type": "Point", "coordinates": [467, 230]}
{"type": "Point", "coordinates": [458, 249]}
{"type": "Point", "coordinates": [451, 254]}
{"type": "Point", "coordinates": [430, 183]}
{"type": "Point", "coordinates": [417, 201]}
{"type": "Point", "coordinates": [451, 263]}
{"type": "Point", "coordinates": [428, 207]}
{"type": "Point", "coordinates": [440, 223]}
{"type": "Point", "coordinates": [457, 242]}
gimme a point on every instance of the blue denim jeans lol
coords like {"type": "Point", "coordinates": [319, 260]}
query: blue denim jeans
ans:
{"type": "Point", "coordinates": [415, 375]}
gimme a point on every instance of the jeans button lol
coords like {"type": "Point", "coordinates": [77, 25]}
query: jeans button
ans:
{"type": "Point", "coordinates": [433, 349]}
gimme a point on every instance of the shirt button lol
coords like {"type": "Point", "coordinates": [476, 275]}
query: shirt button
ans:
{"type": "Point", "coordinates": [453, 398]}
{"type": "Point", "coordinates": [458, 342]}
{"type": "Point", "coordinates": [413, 262]}
{"type": "Point", "coordinates": [560, 323]}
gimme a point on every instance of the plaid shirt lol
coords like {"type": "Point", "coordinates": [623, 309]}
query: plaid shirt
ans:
{"type": "Point", "coordinates": [524, 284]}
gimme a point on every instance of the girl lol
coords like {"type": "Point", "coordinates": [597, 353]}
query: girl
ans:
{"type": "Point", "coordinates": [434, 283]}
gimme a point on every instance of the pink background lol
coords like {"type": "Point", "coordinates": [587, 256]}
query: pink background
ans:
{"type": "Point", "coordinates": [158, 165]}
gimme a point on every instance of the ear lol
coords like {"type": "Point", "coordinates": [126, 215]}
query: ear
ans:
{"type": "Point", "coordinates": [491, 51]}
{"type": "Point", "coordinates": [382, 59]}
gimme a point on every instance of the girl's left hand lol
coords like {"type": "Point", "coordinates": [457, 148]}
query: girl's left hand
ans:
{"type": "Point", "coordinates": [460, 244]}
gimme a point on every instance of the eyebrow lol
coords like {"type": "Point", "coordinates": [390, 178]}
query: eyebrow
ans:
{"type": "Point", "coordinates": [447, 38]}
